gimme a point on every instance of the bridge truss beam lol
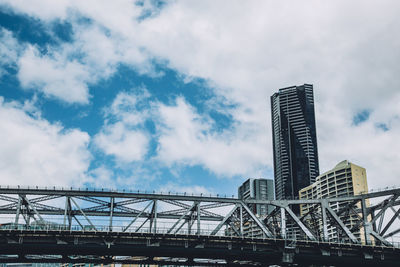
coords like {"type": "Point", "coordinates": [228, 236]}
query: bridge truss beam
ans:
{"type": "Point", "coordinates": [366, 220]}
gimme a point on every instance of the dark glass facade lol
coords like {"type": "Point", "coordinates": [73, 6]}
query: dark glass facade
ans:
{"type": "Point", "coordinates": [294, 140]}
{"type": "Point", "coordinates": [258, 189]}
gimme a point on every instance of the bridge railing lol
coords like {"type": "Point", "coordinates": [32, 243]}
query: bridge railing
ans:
{"type": "Point", "coordinates": [102, 228]}
{"type": "Point", "coordinates": [171, 193]}
{"type": "Point", "coordinates": [114, 190]}
{"type": "Point", "coordinates": [146, 230]}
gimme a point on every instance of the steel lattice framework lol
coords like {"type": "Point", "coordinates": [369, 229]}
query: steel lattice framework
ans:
{"type": "Point", "coordinates": [59, 225]}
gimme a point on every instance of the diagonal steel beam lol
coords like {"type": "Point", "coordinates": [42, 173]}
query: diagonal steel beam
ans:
{"type": "Point", "coordinates": [300, 224]}
{"type": "Point", "coordinates": [80, 224]}
{"type": "Point", "coordinates": [350, 204]}
{"type": "Point", "coordinates": [137, 216]}
{"type": "Point", "coordinates": [34, 201]}
{"type": "Point", "coordinates": [137, 229]}
{"type": "Point", "coordinates": [179, 220]}
{"type": "Point", "coordinates": [392, 233]}
{"type": "Point", "coordinates": [83, 213]}
{"type": "Point", "coordinates": [214, 205]}
{"type": "Point", "coordinates": [380, 221]}
{"type": "Point", "coordinates": [10, 199]}
{"type": "Point", "coordinates": [129, 201]}
{"type": "Point", "coordinates": [380, 238]}
{"type": "Point", "coordinates": [257, 221]}
{"type": "Point", "coordinates": [219, 226]}
{"type": "Point", "coordinates": [341, 224]}
{"type": "Point", "coordinates": [25, 199]}
{"type": "Point", "coordinates": [186, 206]}
{"type": "Point", "coordinates": [385, 205]}
{"type": "Point", "coordinates": [233, 227]}
{"type": "Point", "coordinates": [177, 211]}
{"type": "Point", "coordinates": [396, 215]}
{"type": "Point", "coordinates": [92, 199]}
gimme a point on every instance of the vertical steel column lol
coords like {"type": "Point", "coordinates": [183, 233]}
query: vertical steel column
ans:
{"type": "Point", "coordinates": [153, 217]}
{"type": "Point", "coordinates": [67, 213]}
{"type": "Point", "coordinates": [324, 204]}
{"type": "Point", "coordinates": [198, 218]}
{"type": "Point", "coordinates": [283, 223]}
{"type": "Point", "coordinates": [366, 223]}
{"type": "Point", "coordinates": [189, 222]}
{"type": "Point", "coordinates": [111, 212]}
{"type": "Point", "coordinates": [374, 221]}
{"type": "Point", "coordinates": [25, 209]}
{"type": "Point", "coordinates": [18, 211]}
{"type": "Point", "coordinates": [380, 221]}
{"type": "Point", "coordinates": [241, 220]}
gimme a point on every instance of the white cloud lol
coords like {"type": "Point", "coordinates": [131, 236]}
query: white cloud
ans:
{"type": "Point", "coordinates": [125, 144]}
{"type": "Point", "coordinates": [248, 50]}
{"type": "Point", "coordinates": [54, 75]}
{"type": "Point", "coordinates": [181, 189]}
{"type": "Point", "coordinates": [365, 144]}
{"type": "Point", "coordinates": [9, 49]}
{"type": "Point", "coordinates": [101, 177]}
{"type": "Point", "coordinates": [183, 136]}
{"type": "Point", "coordinates": [122, 136]}
{"type": "Point", "coordinates": [350, 56]}
{"type": "Point", "coordinates": [187, 138]}
{"type": "Point", "coordinates": [47, 9]}
{"type": "Point", "coordinates": [36, 152]}
{"type": "Point", "coordinates": [96, 50]}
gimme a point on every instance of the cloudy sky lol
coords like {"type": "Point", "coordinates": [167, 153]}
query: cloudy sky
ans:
{"type": "Point", "coordinates": [174, 95]}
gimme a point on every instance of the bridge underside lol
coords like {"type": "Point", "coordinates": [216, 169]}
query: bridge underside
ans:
{"type": "Point", "coordinates": [171, 249]}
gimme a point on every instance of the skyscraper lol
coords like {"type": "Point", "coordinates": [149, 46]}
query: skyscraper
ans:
{"type": "Point", "coordinates": [294, 140]}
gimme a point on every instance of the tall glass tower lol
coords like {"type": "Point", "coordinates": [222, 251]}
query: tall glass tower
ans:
{"type": "Point", "coordinates": [294, 140]}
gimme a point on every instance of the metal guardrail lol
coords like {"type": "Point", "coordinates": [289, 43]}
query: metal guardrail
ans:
{"type": "Point", "coordinates": [163, 231]}
{"type": "Point", "coordinates": [110, 190]}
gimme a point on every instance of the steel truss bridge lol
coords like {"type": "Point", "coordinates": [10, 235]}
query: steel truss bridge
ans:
{"type": "Point", "coordinates": [97, 226]}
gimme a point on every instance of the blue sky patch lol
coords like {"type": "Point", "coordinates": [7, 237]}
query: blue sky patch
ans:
{"type": "Point", "coordinates": [361, 116]}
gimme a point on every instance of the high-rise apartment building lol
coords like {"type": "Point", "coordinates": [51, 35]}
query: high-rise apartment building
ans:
{"type": "Point", "coordinates": [294, 140]}
{"type": "Point", "coordinates": [258, 189]}
{"type": "Point", "coordinates": [345, 179]}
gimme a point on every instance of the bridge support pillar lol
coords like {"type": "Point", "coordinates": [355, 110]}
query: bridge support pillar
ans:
{"type": "Point", "coordinates": [324, 204]}
{"type": "Point", "coordinates": [366, 223]}
{"type": "Point", "coordinates": [288, 255]}
{"type": "Point", "coordinates": [283, 223]}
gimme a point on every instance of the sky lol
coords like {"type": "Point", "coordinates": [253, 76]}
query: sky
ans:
{"type": "Point", "coordinates": [173, 96]}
